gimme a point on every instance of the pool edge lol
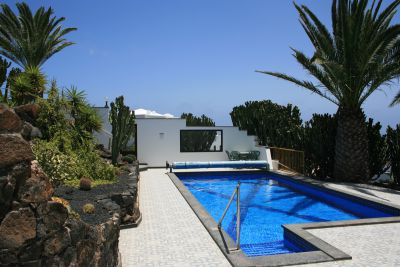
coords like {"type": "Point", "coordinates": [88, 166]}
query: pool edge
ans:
{"type": "Point", "coordinates": [324, 253]}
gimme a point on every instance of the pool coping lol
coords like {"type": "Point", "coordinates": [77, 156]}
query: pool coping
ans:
{"type": "Point", "coordinates": [296, 232]}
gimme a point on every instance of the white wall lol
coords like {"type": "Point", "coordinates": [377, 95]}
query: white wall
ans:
{"type": "Point", "coordinates": [159, 141]}
{"type": "Point", "coordinates": [104, 135]}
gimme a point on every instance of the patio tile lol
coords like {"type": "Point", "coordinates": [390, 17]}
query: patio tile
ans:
{"type": "Point", "coordinates": [170, 234]}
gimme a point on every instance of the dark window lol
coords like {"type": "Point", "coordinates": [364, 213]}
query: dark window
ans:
{"type": "Point", "coordinates": [201, 141]}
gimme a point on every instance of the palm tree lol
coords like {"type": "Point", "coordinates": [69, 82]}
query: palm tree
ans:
{"type": "Point", "coordinates": [350, 63]}
{"type": "Point", "coordinates": [29, 40]}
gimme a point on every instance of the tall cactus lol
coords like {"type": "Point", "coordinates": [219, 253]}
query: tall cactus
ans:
{"type": "Point", "coordinates": [273, 124]}
{"type": "Point", "coordinates": [123, 124]}
{"type": "Point", "coordinates": [4, 65]}
{"type": "Point", "coordinates": [393, 141]}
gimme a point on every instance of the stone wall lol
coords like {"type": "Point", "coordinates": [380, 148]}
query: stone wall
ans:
{"type": "Point", "coordinates": [34, 230]}
{"type": "Point", "coordinates": [128, 200]}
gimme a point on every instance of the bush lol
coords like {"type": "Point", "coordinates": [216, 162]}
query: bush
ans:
{"type": "Point", "coordinates": [85, 184]}
{"type": "Point", "coordinates": [51, 118]}
{"type": "Point", "coordinates": [128, 151]}
{"type": "Point", "coordinates": [393, 141]}
{"type": "Point", "coordinates": [88, 208]}
{"type": "Point", "coordinates": [377, 149]}
{"type": "Point", "coordinates": [64, 164]}
{"type": "Point", "coordinates": [59, 166]}
{"type": "Point", "coordinates": [67, 153]}
{"type": "Point", "coordinates": [319, 146]}
{"type": "Point", "coordinates": [273, 124]}
{"type": "Point", "coordinates": [129, 158]}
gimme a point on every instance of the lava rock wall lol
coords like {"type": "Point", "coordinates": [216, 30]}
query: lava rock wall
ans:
{"type": "Point", "coordinates": [34, 230]}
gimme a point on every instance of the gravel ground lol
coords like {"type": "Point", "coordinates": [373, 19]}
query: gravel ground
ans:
{"type": "Point", "coordinates": [78, 198]}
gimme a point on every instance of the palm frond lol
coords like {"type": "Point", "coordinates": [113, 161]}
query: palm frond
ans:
{"type": "Point", "coordinates": [305, 84]}
{"type": "Point", "coordinates": [30, 39]}
{"type": "Point", "coordinates": [359, 55]}
{"type": "Point", "coordinates": [396, 100]}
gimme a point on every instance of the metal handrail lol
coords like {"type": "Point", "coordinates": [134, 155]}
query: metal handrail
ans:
{"type": "Point", "coordinates": [236, 192]}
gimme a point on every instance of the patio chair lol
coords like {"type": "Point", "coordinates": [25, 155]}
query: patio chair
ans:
{"type": "Point", "coordinates": [234, 155]}
{"type": "Point", "coordinates": [229, 155]}
{"type": "Point", "coordinates": [254, 155]}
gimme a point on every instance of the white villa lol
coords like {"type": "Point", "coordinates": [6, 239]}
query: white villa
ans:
{"type": "Point", "coordinates": [159, 139]}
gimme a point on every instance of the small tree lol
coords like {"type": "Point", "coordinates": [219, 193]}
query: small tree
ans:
{"type": "Point", "coordinates": [123, 124]}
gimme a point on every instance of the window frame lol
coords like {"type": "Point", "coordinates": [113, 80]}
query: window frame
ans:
{"type": "Point", "coordinates": [197, 130]}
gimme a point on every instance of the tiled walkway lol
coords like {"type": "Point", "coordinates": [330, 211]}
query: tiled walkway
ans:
{"type": "Point", "coordinates": [171, 235]}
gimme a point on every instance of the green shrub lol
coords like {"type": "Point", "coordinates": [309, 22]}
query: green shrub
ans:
{"type": "Point", "coordinates": [377, 149]}
{"type": "Point", "coordinates": [52, 115]}
{"type": "Point", "coordinates": [70, 114]}
{"type": "Point", "coordinates": [192, 120]}
{"type": "Point", "coordinates": [59, 166]}
{"type": "Point", "coordinates": [129, 150]}
{"type": "Point", "coordinates": [319, 146]}
{"type": "Point", "coordinates": [197, 140]}
{"type": "Point", "coordinates": [129, 158]}
{"type": "Point", "coordinates": [273, 124]}
{"type": "Point", "coordinates": [64, 165]}
{"type": "Point", "coordinates": [67, 152]}
{"type": "Point", "coordinates": [393, 141]}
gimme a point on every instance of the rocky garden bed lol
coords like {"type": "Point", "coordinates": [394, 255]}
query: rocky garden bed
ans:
{"type": "Point", "coordinates": [119, 197]}
{"type": "Point", "coordinates": [43, 225]}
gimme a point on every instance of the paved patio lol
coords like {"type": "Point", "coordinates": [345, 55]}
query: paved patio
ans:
{"type": "Point", "coordinates": [171, 235]}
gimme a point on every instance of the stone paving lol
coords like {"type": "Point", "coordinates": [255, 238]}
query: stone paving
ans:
{"type": "Point", "coordinates": [369, 245]}
{"type": "Point", "coordinates": [171, 235]}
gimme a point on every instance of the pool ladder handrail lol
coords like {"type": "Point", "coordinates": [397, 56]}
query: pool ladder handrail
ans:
{"type": "Point", "coordinates": [236, 192]}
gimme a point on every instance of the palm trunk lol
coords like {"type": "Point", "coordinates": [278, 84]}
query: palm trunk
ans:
{"type": "Point", "coordinates": [351, 149]}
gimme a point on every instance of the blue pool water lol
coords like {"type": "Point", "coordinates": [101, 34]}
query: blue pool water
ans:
{"type": "Point", "coordinates": [268, 202]}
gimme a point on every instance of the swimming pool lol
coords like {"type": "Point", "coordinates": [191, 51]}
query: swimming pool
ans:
{"type": "Point", "coordinates": [269, 201]}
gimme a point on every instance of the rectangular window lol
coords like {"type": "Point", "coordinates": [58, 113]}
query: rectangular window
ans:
{"type": "Point", "coordinates": [201, 141]}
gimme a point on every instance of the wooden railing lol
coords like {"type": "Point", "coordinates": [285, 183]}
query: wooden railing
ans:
{"type": "Point", "coordinates": [289, 159]}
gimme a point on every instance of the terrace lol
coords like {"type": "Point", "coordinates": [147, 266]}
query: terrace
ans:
{"type": "Point", "coordinates": [172, 235]}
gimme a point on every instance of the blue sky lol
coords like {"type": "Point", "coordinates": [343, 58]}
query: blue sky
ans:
{"type": "Point", "coordinates": [194, 56]}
